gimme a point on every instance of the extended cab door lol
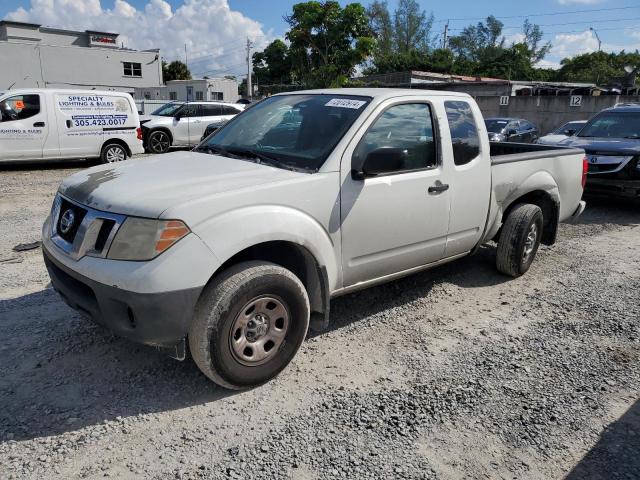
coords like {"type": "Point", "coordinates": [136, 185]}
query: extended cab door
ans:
{"type": "Point", "coordinates": [465, 140]}
{"type": "Point", "coordinates": [398, 220]}
{"type": "Point", "coordinates": [24, 128]}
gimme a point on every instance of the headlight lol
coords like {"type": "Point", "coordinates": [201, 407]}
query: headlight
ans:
{"type": "Point", "coordinates": [144, 239]}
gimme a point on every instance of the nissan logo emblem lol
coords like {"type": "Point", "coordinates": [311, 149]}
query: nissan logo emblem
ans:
{"type": "Point", "coordinates": [66, 221]}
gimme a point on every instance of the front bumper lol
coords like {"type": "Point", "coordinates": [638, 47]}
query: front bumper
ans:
{"type": "Point", "coordinates": [613, 187]}
{"type": "Point", "coordinates": [158, 319]}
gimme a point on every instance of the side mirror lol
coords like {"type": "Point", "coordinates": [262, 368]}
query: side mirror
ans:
{"type": "Point", "coordinates": [380, 161]}
{"type": "Point", "coordinates": [511, 132]}
{"type": "Point", "coordinates": [570, 132]}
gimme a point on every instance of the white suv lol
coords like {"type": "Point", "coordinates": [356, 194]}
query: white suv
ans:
{"type": "Point", "coordinates": [182, 124]}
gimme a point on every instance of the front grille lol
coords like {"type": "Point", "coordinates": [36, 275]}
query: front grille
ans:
{"type": "Point", "coordinates": [77, 215]}
{"type": "Point", "coordinates": [84, 230]}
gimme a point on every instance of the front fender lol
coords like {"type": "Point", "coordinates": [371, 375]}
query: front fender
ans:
{"type": "Point", "coordinates": [236, 230]}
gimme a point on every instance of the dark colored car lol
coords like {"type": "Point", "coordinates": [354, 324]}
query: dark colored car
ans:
{"type": "Point", "coordinates": [212, 127]}
{"type": "Point", "coordinates": [505, 129]}
{"type": "Point", "coordinates": [611, 140]}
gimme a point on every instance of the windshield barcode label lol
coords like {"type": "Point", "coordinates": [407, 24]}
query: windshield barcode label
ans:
{"type": "Point", "coordinates": [345, 103]}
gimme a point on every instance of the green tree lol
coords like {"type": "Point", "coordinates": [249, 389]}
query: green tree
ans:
{"type": "Point", "coordinates": [273, 64]}
{"type": "Point", "coordinates": [601, 68]}
{"type": "Point", "coordinates": [478, 41]}
{"type": "Point", "coordinates": [412, 27]}
{"type": "Point", "coordinates": [532, 39]}
{"type": "Point", "coordinates": [382, 27]}
{"type": "Point", "coordinates": [328, 41]}
{"type": "Point", "coordinates": [175, 70]}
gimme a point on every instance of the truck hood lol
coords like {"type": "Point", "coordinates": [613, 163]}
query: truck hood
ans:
{"type": "Point", "coordinates": [147, 187]}
{"type": "Point", "coordinates": [604, 146]}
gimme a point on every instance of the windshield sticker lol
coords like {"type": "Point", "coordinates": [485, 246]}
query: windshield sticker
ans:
{"type": "Point", "coordinates": [345, 103]}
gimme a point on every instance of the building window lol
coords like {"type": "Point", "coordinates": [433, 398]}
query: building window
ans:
{"type": "Point", "coordinates": [199, 96]}
{"type": "Point", "coordinates": [173, 95]}
{"type": "Point", "coordinates": [217, 96]}
{"type": "Point", "coordinates": [132, 69]}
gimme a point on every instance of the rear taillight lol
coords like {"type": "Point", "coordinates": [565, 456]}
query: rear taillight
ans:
{"type": "Point", "coordinates": [585, 169]}
{"type": "Point", "coordinates": [139, 132]}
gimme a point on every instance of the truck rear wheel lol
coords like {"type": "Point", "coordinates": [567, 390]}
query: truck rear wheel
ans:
{"type": "Point", "coordinates": [249, 324]}
{"type": "Point", "coordinates": [519, 239]}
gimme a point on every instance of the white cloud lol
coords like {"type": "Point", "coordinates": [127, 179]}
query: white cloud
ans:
{"type": "Point", "coordinates": [570, 45]}
{"type": "Point", "coordinates": [214, 34]}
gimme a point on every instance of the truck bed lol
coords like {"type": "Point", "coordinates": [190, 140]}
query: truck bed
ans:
{"type": "Point", "coordinates": [524, 167]}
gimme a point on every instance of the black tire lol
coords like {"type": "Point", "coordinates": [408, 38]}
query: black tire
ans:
{"type": "Point", "coordinates": [215, 329]}
{"type": "Point", "coordinates": [113, 152]}
{"type": "Point", "coordinates": [517, 247]}
{"type": "Point", "coordinates": [159, 141]}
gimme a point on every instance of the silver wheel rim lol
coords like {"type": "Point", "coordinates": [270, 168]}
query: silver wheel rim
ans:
{"type": "Point", "coordinates": [530, 242]}
{"type": "Point", "coordinates": [259, 330]}
{"type": "Point", "coordinates": [159, 142]}
{"type": "Point", "coordinates": [115, 154]}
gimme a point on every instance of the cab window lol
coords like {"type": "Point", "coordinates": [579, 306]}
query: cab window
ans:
{"type": "Point", "coordinates": [464, 132]}
{"type": "Point", "coordinates": [19, 107]}
{"type": "Point", "coordinates": [408, 126]}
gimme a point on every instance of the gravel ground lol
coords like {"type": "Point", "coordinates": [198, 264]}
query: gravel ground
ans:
{"type": "Point", "coordinates": [455, 373]}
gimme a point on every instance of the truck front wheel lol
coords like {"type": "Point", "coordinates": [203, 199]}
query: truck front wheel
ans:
{"type": "Point", "coordinates": [519, 239]}
{"type": "Point", "coordinates": [249, 324]}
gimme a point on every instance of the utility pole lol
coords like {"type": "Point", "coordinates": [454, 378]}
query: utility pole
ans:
{"type": "Point", "coordinates": [445, 36]}
{"type": "Point", "coordinates": [249, 87]}
{"type": "Point", "coordinates": [597, 38]}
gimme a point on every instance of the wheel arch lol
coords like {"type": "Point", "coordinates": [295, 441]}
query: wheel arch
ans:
{"type": "Point", "coordinates": [160, 128]}
{"type": "Point", "coordinates": [550, 206]}
{"type": "Point", "coordinates": [300, 261]}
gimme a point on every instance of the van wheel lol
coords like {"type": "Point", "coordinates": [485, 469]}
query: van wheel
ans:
{"type": "Point", "coordinates": [159, 142]}
{"type": "Point", "coordinates": [112, 153]}
{"type": "Point", "coordinates": [248, 324]}
{"type": "Point", "coordinates": [519, 239]}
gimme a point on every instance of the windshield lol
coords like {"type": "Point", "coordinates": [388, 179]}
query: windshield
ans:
{"type": "Point", "coordinates": [614, 125]}
{"type": "Point", "coordinates": [167, 110]}
{"type": "Point", "coordinates": [495, 126]}
{"type": "Point", "coordinates": [294, 131]}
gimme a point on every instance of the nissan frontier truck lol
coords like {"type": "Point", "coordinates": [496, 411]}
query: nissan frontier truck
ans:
{"type": "Point", "coordinates": [232, 249]}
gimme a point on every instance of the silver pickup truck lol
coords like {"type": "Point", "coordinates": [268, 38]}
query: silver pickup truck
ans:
{"type": "Point", "coordinates": [235, 247]}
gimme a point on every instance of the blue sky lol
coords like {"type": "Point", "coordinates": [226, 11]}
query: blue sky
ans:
{"type": "Point", "coordinates": [215, 30]}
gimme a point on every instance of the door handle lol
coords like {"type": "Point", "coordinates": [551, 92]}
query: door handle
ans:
{"type": "Point", "coordinates": [442, 187]}
{"type": "Point", "coordinates": [38, 124]}
{"type": "Point", "coordinates": [69, 124]}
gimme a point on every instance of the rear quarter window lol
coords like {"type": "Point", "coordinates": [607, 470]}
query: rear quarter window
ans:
{"type": "Point", "coordinates": [464, 132]}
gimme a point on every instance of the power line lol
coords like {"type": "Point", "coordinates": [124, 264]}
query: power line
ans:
{"type": "Point", "coordinates": [584, 22]}
{"type": "Point", "coordinates": [591, 10]}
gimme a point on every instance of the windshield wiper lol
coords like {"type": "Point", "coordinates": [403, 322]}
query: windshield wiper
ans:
{"type": "Point", "coordinates": [266, 159]}
{"type": "Point", "coordinates": [211, 149]}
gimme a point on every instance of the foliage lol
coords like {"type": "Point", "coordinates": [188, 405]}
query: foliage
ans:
{"type": "Point", "coordinates": [328, 41]}
{"type": "Point", "coordinates": [175, 70]}
{"type": "Point", "coordinates": [273, 64]}
{"type": "Point", "coordinates": [412, 27]}
{"type": "Point", "coordinates": [601, 68]}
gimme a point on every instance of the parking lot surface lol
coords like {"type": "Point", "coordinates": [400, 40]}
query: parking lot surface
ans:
{"type": "Point", "coordinates": [456, 372]}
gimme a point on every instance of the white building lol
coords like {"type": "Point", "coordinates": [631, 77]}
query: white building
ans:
{"type": "Point", "coordinates": [36, 56]}
{"type": "Point", "coordinates": [224, 89]}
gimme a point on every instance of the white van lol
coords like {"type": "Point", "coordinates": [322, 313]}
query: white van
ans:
{"type": "Point", "coordinates": [48, 124]}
